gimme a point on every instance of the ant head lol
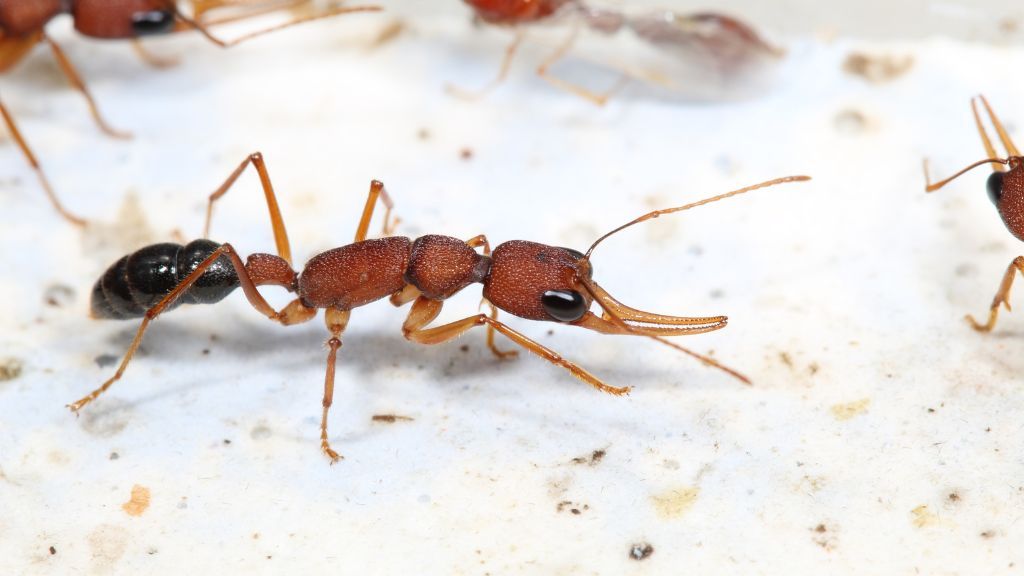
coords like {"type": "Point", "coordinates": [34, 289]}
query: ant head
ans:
{"type": "Point", "coordinates": [511, 11]}
{"type": "Point", "coordinates": [538, 282]}
{"type": "Point", "coordinates": [124, 18]}
{"type": "Point", "coordinates": [1006, 191]}
{"type": "Point", "coordinates": [17, 18]}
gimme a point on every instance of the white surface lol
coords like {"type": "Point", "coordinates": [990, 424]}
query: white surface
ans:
{"type": "Point", "coordinates": [858, 278]}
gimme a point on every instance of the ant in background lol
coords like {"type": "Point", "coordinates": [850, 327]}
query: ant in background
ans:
{"type": "Point", "coordinates": [1005, 188]}
{"type": "Point", "coordinates": [23, 26]}
{"type": "Point", "coordinates": [698, 55]}
{"type": "Point", "coordinates": [526, 279]}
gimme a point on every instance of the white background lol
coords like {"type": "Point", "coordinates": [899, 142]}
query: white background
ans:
{"type": "Point", "coordinates": [881, 435]}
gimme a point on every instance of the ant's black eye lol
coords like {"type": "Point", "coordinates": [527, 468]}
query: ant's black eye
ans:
{"type": "Point", "coordinates": [152, 22]}
{"type": "Point", "coordinates": [995, 187]}
{"type": "Point", "coordinates": [564, 305]}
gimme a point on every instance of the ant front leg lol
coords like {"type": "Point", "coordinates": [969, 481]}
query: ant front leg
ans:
{"type": "Point", "coordinates": [1001, 297]}
{"type": "Point", "coordinates": [474, 242]}
{"type": "Point", "coordinates": [284, 249]}
{"type": "Point", "coordinates": [336, 320]}
{"type": "Point", "coordinates": [377, 192]}
{"type": "Point", "coordinates": [76, 82]}
{"type": "Point", "coordinates": [34, 164]}
{"type": "Point", "coordinates": [424, 311]}
{"type": "Point", "coordinates": [293, 313]}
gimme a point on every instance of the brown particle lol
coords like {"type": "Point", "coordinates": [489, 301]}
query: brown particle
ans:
{"type": "Point", "coordinates": [423, 134]}
{"type": "Point", "coordinates": [640, 551]}
{"type": "Point", "coordinates": [54, 550]}
{"type": "Point", "coordinates": [877, 69]}
{"type": "Point", "coordinates": [953, 497]}
{"type": "Point", "coordinates": [466, 154]}
{"type": "Point", "coordinates": [464, 348]}
{"type": "Point", "coordinates": [390, 418]}
{"type": "Point", "coordinates": [593, 460]}
{"type": "Point", "coordinates": [206, 351]}
{"type": "Point", "coordinates": [986, 534]}
{"type": "Point", "coordinates": [114, 455]}
{"type": "Point", "coordinates": [813, 368]}
{"type": "Point", "coordinates": [139, 501]}
{"type": "Point", "coordinates": [786, 359]}
{"type": "Point", "coordinates": [10, 368]}
{"type": "Point", "coordinates": [820, 528]}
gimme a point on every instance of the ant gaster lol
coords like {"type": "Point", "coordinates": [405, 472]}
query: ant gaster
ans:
{"type": "Point", "coordinates": [23, 26]}
{"type": "Point", "coordinates": [1005, 188]}
{"type": "Point", "coordinates": [720, 43]}
{"type": "Point", "coordinates": [526, 279]}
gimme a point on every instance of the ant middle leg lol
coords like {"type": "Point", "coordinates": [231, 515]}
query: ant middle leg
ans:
{"type": "Point", "coordinates": [424, 311]}
{"type": "Point", "coordinates": [336, 321]}
{"type": "Point", "coordinates": [284, 249]}
{"type": "Point", "coordinates": [475, 242]}
{"type": "Point", "coordinates": [377, 192]}
{"type": "Point", "coordinates": [1002, 296]}
{"type": "Point", "coordinates": [34, 164]}
{"type": "Point", "coordinates": [76, 82]}
{"type": "Point", "coordinates": [293, 313]}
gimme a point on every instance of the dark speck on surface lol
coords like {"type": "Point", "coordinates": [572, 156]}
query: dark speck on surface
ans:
{"type": "Point", "coordinates": [641, 551]}
{"type": "Point", "coordinates": [104, 360]}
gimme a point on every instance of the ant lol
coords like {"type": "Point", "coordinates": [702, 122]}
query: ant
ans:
{"type": "Point", "coordinates": [706, 45]}
{"type": "Point", "coordinates": [23, 26]}
{"type": "Point", "coordinates": [526, 279]}
{"type": "Point", "coordinates": [1005, 188]}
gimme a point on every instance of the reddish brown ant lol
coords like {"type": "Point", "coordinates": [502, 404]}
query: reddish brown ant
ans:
{"type": "Point", "coordinates": [721, 43]}
{"type": "Point", "coordinates": [1005, 188]}
{"type": "Point", "coordinates": [526, 279]}
{"type": "Point", "coordinates": [23, 26]}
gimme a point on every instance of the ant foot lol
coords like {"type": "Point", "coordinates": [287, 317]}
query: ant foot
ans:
{"type": "Point", "coordinates": [334, 456]}
{"type": "Point", "coordinates": [987, 327]}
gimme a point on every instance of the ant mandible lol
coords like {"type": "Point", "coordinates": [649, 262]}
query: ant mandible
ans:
{"type": "Point", "coordinates": [1005, 188]}
{"type": "Point", "coordinates": [721, 43]}
{"type": "Point", "coordinates": [526, 279]}
{"type": "Point", "coordinates": [22, 27]}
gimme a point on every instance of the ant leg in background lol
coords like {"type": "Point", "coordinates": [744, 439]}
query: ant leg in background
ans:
{"type": "Point", "coordinates": [276, 221]}
{"type": "Point", "coordinates": [506, 65]}
{"type": "Point", "coordinates": [597, 98]}
{"type": "Point", "coordinates": [34, 163]}
{"type": "Point", "coordinates": [474, 242]}
{"type": "Point", "coordinates": [154, 60]}
{"type": "Point", "coordinates": [377, 191]}
{"type": "Point", "coordinates": [424, 311]}
{"type": "Point", "coordinates": [336, 321]}
{"type": "Point", "coordinates": [78, 84]}
{"type": "Point", "coordinates": [1002, 296]}
{"type": "Point", "coordinates": [293, 313]}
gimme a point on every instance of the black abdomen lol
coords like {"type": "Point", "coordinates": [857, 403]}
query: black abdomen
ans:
{"type": "Point", "coordinates": [136, 282]}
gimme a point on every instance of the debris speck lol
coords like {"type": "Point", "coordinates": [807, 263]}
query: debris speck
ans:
{"type": "Point", "coordinates": [466, 154]}
{"type": "Point", "coordinates": [877, 68]}
{"type": "Point", "coordinates": [58, 295]}
{"type": "Point", "coordinates": [104, 360]}
{"type": "Point", "coordinates": [675, 502]}
{"type": "Point", "coordinates": [593, 460]}
{"type": "Point", "coordinates": [850, 409]}
{"type": "Point", "coordinates": [139, 501]}
{"type": "Point", "coordinates": [10, 368]}
{"type": "Point", "coordinates": [390, 418]}
{"type": "Point", "coordinates": [52, 550]}
{"type": "Point", "coordinates": [640, 551]}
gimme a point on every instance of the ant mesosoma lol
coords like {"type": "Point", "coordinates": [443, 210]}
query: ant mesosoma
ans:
{"type": "Point", "coordinates": [23, 26]}
{"type": "Point", "coordinates": [526, 279]}
{"type": "Point", "coordinates": [1005, 188]}
{"type": "Point", "coordinates": [722, 45]}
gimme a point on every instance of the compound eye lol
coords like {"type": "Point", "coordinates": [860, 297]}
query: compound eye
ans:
{"type": "Point", "coordinates": [994, 186]}
{"type": "Point", "coordinates": [152, 22]}
{"type": "Point", "coordinates": [564, 305]}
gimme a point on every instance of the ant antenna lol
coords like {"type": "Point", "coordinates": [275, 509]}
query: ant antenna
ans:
{"type": "Point", "coordinates": [930, 187]}
{"type": "Point", "coordinates": [204, 30]}
{"type": "Point", "coordinates": [657, 213]}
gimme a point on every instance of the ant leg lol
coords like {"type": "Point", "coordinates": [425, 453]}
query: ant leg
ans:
{"type": "Point", "coordinates": [78, 84]}
{"type": "Point", "coordinates": [1003, 135]}
{"type": "Point", "coordinates": [336, 320]}
{"type": "Point", "coordinates": [186, 23]}
{"type": "Point", "coordinates": [291, 314]}
{"type": "Point", "coordinates": [284, 249]}
{"type": "Point", "coordinates": [407, 294]}
{"type": "Point", "coordinates": [34, 164]}
{"type": "Point", "coordinates": [1001, 297]}
{"type": "Point", "coordinates": [424, 312]}
{"type": "Point", "coordinates": [475, 242]}
{"type": "Point", "coordinates": [377, 191]}
{"type": "Point", "coordinates": [558, 54]}
{"type": "Point", "coordinates": [151, 59]}
{"type": "Point", "coordinates": [506, 65]}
